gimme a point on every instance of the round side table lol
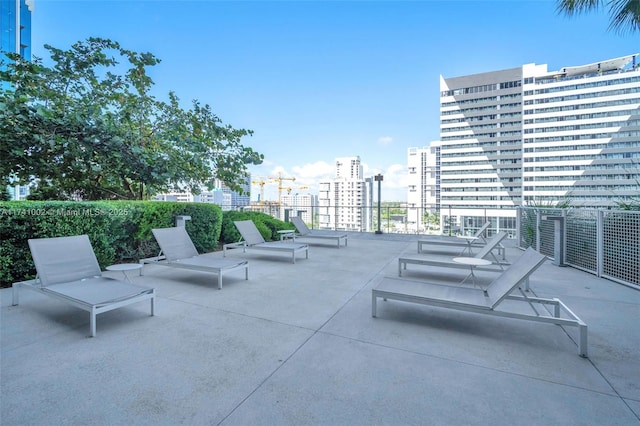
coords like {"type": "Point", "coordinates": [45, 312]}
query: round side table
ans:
{"type": "Point", "coordinates": [124, 267]}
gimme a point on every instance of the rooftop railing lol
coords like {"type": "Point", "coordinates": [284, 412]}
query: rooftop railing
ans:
{"type": "Point", "coordinates": [602, 242]}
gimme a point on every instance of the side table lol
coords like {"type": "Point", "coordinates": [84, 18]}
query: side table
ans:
{"type": "Point", "coordinates": [472, 262]}
{"type": "Point", "coordinates": [124, 267]}
{"type": "Point", "coordinates": [287, 233]}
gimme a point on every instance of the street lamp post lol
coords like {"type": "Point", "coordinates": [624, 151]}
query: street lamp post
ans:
{"type": "Point", "coordinates": [378, 178]}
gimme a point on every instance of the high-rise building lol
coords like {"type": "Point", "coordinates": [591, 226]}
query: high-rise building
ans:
{"type": "Point", "coordinates": [15, 26]}
{"type": "Point", "coordinates": [346, 202]}
{"type": "Point", "coordinates": [15, 37]}
{"type": "Point", "coordinates": [527, 136]}
{"type": "Point", "coordinates": [303, 205]}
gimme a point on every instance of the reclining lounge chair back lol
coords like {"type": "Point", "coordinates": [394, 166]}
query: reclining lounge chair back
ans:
{"type": "Point", "coordinates": [67, 269]}
{"type": "Point", "coordinates": [488, 301]}
{"type": "Point", "coordinates": [305, 232]}
{"type": "Point", "coordinates": [178, 251]}
{"type": "Point", "coordinates": [485, 252]}
{"type": "Point", "coordinates": [253, 239]}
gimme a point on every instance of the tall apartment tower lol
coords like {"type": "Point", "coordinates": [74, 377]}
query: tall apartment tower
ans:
{"type": "Point", "coordinates": [346, 202]}
{"type": "Point", "coordinates": [15, 26]}
{"type": "Point", "coordinates": [423, 167]}
{"type": "Point", "coordinates": [581, 130]}
{"type": "Point", "coordinates": [15, 37]}
{"type": "Point", "coordinates": [527, 136]}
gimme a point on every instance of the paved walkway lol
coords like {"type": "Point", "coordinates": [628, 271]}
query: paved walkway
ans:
{"type": "Point", "coordinates": [296, 345]}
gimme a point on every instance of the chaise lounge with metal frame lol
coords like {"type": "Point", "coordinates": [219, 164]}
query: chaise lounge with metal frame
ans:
{"type": "Point", "coordinates": [67, 270]}
{"type": "Point", "coordinates": [488, 301]}
{"type": "Point", "coordinates": [447, 262]}
{"type": "Point", "coordinates": [305, 232]}
{"type": "Point", "coordinates": [252, 239]}
{"type": "Point", "coordinates": [177, 251]}
{"type": "Point", "coordinates": [439, 244]}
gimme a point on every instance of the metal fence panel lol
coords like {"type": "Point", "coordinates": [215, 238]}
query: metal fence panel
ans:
{"type": "Point", "coordinates": [602, 242]}
{"type": "Point", "coordinates": [582, 239]}
{"type": "Point", "coordinates": [621, 246]}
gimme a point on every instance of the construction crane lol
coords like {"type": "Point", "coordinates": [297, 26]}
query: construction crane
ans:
{"type": "Point", "coordinates": [289, 189]}
{"type": "Point", "coordinates": [262, 180]}
{"type": "Point", "coordinates": [261, 184]}
{"type": "Point", "coordinates": [279, 180]}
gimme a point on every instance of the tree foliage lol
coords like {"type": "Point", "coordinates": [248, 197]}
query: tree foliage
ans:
{"type": "Point", "coordinates": [87, 127]}
{"type": "Point", "coordinates": [624, 15]}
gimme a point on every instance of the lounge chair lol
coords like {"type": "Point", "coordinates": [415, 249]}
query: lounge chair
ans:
{"type": "Point", "coordinates": [487, 302]}
{"type": "Point", "coordinates": [177, 251]}
{"type": "Point", "coordinates": [305, 232]}
{"type": "Point", "coordinates": [252, 239]}
{"type": "Point", "coordinates": [466, 242]}
{"type": "Point", "coordinates": [486, 251]}
{"type": "Point", "coordinates": [67, 270]}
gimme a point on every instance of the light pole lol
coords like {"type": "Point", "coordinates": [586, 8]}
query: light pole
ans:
{"type": "Point", "coordinates": [378, 178]}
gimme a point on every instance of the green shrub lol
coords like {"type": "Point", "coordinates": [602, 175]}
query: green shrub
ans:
{"type": "Point", "coordinates": [119, 231]}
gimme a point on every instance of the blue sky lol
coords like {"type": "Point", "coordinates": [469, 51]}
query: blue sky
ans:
{"type": "Point", "coordinates": [316, 80]}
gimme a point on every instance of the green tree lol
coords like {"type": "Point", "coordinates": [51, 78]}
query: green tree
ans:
{"type": "Point", "coordinates": [88, 128]}
{"type": "Point", "coordinates": [624, 14]}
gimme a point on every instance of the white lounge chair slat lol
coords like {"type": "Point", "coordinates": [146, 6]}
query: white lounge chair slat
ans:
{"type": "Point", "coordinates": [487, 302]}
{"type": "Point", "coordinates": [253, 239]}
{"type": "Point", "coordinates": [178, 251]}
{"type": "Point", "coordinates": [67, 269]}
{"type": "Point", "coordinates": [305, 232]}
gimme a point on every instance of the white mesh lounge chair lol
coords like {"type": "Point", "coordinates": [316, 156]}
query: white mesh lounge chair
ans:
{"type": "Point", "coordinates": [440, 244]}
{"type": "Point", "coordinates": [253, 239]}
{"type": "Point", "coordinates": [67, 270]}
{"type": "Point", "coordinates": [177, 251]}
{"type": "Point", "coordinates": [435, 261]}
{"type": "Point", "coordinates": [489, 301]}
{"type": "Point", "coordinates": [305, 232]}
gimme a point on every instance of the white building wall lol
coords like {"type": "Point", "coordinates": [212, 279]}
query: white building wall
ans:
{"type": "Point", "coordinates": [582, 134]}
{"type": "Point", "coordinates": [303, 205]}
{"type": "Point", "coordinates": [345, 203]}
{"type": "Point", "coordinates": [528, 136]}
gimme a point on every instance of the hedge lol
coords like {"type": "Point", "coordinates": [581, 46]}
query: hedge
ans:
{"type": "Point", "coordinates": [119, 231]}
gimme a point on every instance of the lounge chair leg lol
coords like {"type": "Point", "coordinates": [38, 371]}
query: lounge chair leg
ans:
{"type": "Point", "coordinates": [374, 308]}
{"type": "Point", "coordinates": [220, 280]}
{"type": "Point", "coordinates": [582, 343]}
{"type": "Point", "coordinates": [92, 321]}
{"type": "Point", "coordinates": [15, 296]}
{"type": "Point", "coordinates": [153, 306]}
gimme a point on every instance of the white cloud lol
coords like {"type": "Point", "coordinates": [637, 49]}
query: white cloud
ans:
{"type": "Point", "coordinates": [312, 172]}
{"type": "Point", "coordinates": [385, 140]}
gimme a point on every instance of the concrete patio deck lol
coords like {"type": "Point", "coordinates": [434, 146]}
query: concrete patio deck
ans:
{"type": "Point", "coordinates": [296, 345]}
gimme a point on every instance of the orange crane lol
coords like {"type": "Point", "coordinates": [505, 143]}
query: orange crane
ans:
{"type": "Point", "coordinates": [261, 183]}
{"type": "Point", "coordinates": [262, 180]}
{"type": "Point", "coordinates": [279, 180]}
{"type": "Point", "coordinates": [289, 189]}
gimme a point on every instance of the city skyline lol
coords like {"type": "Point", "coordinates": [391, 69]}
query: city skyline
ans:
{"type": "Point", "coordinates": [321, 80]}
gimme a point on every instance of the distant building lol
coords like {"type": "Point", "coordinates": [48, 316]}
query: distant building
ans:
{"type": "Point", "coordinates": [303, 205]}
{"type": "Point", "coordinates": [15, 37]}
{"type": "Point", "coordinates": [220, 195]}
{"type": "Point", "coordinates": [346, 202]}
{"type": "Point", "coordinates": [528, 136]}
